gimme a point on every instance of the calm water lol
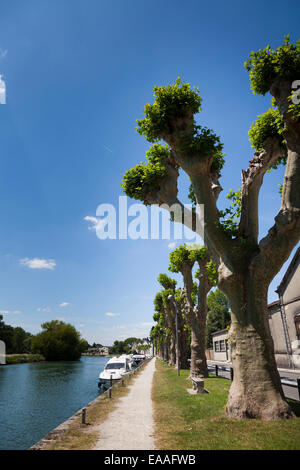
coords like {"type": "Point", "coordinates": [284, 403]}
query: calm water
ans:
{"type": "Point", "coordinates": [35, 398]}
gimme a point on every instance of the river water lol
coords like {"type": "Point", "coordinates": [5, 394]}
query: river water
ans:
{"type": "Point", "coordinates": [35, 398]}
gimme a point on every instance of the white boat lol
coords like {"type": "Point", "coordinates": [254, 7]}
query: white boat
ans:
{"type": "Point", "coordinates": [114, 370]}
{"type": "Point", "coordinates": [138, 358]}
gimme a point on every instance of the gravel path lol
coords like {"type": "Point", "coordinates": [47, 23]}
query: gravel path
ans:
{"type": "Point", "coordinates": [130, 426]}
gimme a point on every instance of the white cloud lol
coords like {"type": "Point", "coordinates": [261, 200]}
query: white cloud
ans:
{"type": "Point", "coordinates": [95, 223]}
{"type": "Point", "coordinates": [44, 309]}
{"type": "Point", "coordinates": [109, 314]}
{"type": "Point", "coordinates": [38, 263]}
{"type": "Point", "coordinates": [7, 312]}
{"type": "Point", "coordinates": [171, 245]}
{"type": "Point", "coordinates": [64, 304]}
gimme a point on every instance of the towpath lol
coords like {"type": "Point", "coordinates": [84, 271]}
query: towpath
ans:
{"type": "Point", "coordinates": [130, 425]}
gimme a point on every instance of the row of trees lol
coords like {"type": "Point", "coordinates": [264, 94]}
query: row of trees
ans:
{"type": "Point", "coordinates": [245, 265]}
{"type": "Point", "coordinates": [192, 303]}
{"type": "Point", "coordinates": [58, 341]}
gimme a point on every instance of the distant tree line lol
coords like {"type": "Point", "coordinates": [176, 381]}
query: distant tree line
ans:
{"type": "Point", "coordinates": [58, 341]}
{"type": "Point", "coordinates": [128, 346]}
{"type": "Point", "coordinates": [17, 340]}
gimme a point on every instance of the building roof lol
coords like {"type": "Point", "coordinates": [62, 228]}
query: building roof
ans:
{"type": "Point", "coordinates": [220, 332]}
{"type": "Point", "coordinates": [290, 270]}
{"type": "Point", "coordinates": [273, 304]}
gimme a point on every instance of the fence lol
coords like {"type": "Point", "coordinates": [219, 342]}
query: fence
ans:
{"type": "Point", "coordinates": [290, 387]}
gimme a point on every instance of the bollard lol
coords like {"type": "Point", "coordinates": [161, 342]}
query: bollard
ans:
{"type": "Point", "coordinates": [110, 387]}
{"type": "Point", "coordinates": [298, 384]}
{"type": "Point", "coordinates": [231, 374]}
{"type": "Point", "coordinates": [83, 415]}
{"type": "Point", "coordinates": [216, 369]}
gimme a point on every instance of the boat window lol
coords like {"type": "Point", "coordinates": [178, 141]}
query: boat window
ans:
{"type": "Point", "coordinates": [117, 365]}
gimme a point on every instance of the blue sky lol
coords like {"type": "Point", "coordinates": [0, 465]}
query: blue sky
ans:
{"type": "Point", "coordinates": [78, 74]}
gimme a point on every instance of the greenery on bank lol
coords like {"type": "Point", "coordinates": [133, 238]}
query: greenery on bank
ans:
{"type": "Point", "coordinates": [17, 340]}
{"type": "Point", "coordinates": [59, 341]}
{"type": "Point", "coordinates": [23, 358]}
{"type": "Point", "coordinates": [190, 422]}
{"type": "Point", "coordinates": [129, 345]}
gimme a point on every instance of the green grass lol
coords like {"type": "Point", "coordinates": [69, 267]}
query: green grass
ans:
{"type": "Point", "coordinates": [189, 422]}
{"type": "Point", "coordinates": [23, 358]}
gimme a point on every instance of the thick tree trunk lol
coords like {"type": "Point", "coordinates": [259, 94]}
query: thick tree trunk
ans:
{"type": "Point", "coordinates": [198, 358]}
{"type": "Point", "coordinates": [256, 390]}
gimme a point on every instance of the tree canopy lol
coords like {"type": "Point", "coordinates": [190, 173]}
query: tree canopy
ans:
{"type": "Point", "coordinates": [59, 341]}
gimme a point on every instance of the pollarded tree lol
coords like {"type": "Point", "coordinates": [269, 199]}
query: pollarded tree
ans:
{"type": "Point", "coordinates": [184, 331]}
{"type": "Point", "coordinates": [159, 333]}
{"type": "Point", "coordinates": [246, 265]}
{"type": "Point", "coordinates": [182, 260]}
{"type": "Point", "coordinates": [169, 286]}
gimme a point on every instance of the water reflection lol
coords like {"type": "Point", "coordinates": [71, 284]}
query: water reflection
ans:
{"type": "Point", "coordinates": [35, 398]}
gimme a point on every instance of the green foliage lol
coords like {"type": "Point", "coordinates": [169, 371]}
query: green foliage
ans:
{"type": "Point", "coordinates": [269, 124]}
{"type": "Point", "coordinates": [58, 342]}
{"type": "Point", "coordinates": [158, 302]}
{"type": "Point", "coordinates": [119, 347]}
{"type": "Point", "coordinates": [146, 177]}
{"type": "Point", "coordinates": [171, 103]}
{"type": "Point", "coordinates": [267, 64]}
{"type": "Point", "coordinates": [166, 282]}
{"type": "Point", "coordinates": [204, 141]}
{"type": "Point", "coordinates": [218, 317]}
{"type": "Point", "coordinates": [184, 253]}
{"type": "Point", "coordinates": [212, 272]}
{"type": "Point", "coordinates": [17, 340]}
{"type": "Point", "coordinates": [127, 346]}
{"type": "Point", "coordinates": [232, 214]}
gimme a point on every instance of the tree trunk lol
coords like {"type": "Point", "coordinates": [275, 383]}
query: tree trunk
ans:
{"type": "Point", "coordinates": [165, 350]}
{"type": "Point", "coordinates": [183, 344]}
{"type": "Point", "coordinates": [172, 356]}
{"type": "Point", "coordinates": [198, 358]}
{"type": "Point", "coordinates": [256, 390]}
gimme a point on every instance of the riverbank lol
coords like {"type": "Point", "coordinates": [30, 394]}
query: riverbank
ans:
{"type": "Point", "coordinates": [73, 435]}
{"type": "Point", "coordinates": [184, 421]}
{"type": "Point", "coordinates": [23, 358]}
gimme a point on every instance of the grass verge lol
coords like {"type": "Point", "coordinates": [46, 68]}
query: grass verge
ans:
{"type": "Point", "coordinates": [190, 422]}
{"type": "Point", "coordinates": [23, 358]}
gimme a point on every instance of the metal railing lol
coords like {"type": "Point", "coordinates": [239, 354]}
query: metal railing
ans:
{"type": "Point", "coordinates": [226, 372]}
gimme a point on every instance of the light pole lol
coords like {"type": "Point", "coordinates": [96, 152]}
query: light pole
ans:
{"type": "Point", "coordinates": [172, 298]}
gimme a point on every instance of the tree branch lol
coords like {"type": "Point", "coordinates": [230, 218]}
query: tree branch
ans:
{"type": "Point", "coordinates": [285, 233]}
{"type": "Point", "coordinates": [252, 180]}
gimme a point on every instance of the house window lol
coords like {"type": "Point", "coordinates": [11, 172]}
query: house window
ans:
{"type": "Point", "coordinates": [297, 325]}
{"type": "Point", "coordinates": [222, 345]}
{"type": "Point", "coordinates": [217, 345]}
